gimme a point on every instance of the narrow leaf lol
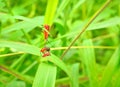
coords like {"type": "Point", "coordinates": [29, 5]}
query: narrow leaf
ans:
{"type": "Point", "coordinates": [105, 24]}
{"type": "Point", "coordinates": [27, 25]}
{"type": "Point", "coordinates": [45, 75]}
{"type": "Point", "coordinates": [59, 63]}
{"type": "Point", "coordinates": [15, 73]}
{"type": "Point", "coordinates": [62, 6]}
{"type": "Point", "coordinates": [90, 63]}
{"type": "Point", "coordinates": [110, 68]}
{"type": "Point", "coordinates": [75, 75]}
{"type": "Point", "coordinates": [21, 47]}
{"type": "Point", "coordinates": [50, 11]}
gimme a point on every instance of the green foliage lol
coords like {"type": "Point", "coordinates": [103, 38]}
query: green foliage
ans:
{"type": "Point", "coordinates": [45, 75]}
{"type": "Point", "coordinates": [50, 11]}
{"type": "Point", "coordinates": [75, 75]}
{"type": "Point", "coordinates": [2, 4]}
{"type": "Point", "coordinates": [92, 61]}
{"type": "Point", "coordinates": [110, 69]}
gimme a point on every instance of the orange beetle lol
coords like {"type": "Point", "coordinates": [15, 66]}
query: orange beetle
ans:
{"type": "Point", "coordinates": [45, 51]}
{"type": "Point", "coordinates": [47, 29]}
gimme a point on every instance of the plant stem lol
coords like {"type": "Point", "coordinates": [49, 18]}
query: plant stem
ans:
{"type": "Point", "coordinates": [86, 26]}
{"type": "Point", "coordinates": [11, 54]}
{"type": "Point", "coordinates": [26, 36]}
{"type": "Point", "coordinates": [79, 47]}
{"type": "Point", "coordinates": [14, 73]}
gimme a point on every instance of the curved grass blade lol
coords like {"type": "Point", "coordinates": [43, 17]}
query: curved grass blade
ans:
{"type": "Point", "coordinates": [45, 75]}
{"type": "Point", "coordinates": [35, 51]}
{"type": "Point", "coordinates": [105, 24]}
{"type": "Point", "coordinates": [55, 60]}
{"type": "Point", "coordinates": [59, 63]}
{"type": "Point", "coordinates": [21, 47]}
{"type": "Point", "coordinates": [110, 69]}
{"type": "Point", "coordinates": [27, 25]}
{"type": "Point", "coordinates": [98, 25]}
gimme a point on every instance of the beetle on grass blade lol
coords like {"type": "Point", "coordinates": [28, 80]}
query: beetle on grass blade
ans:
{"type": "Point", "coordinates": [45, 51]}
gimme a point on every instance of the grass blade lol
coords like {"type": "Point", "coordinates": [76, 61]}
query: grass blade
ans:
{"type": "Point", "coordinates": [90, 63]}
{"type": "Point", "coordinates": [62, 7]}
{"type": "Point", "coordinates": [110, 68]}
{"type": "Point", "coordinates": [59, 63]}
{"type": "Point", "coordinates": [35, 51]}
{"type": "Point", "coordinates": [50, 11]}
{"type": "Point", "coordinates": [21, 47]}
{"type": "Point", "coordinates": [27, 25]}
{"type": "Point", "coordinates": [75, 75]}
{"type": "Point", "coordinates": [105, 24]}
{"type": "Point", "coordinates": [15, 73]}
{"type": "Point", "coordinates": [45, 76]}
{"type": "Point", "coordinates": [117, 80]}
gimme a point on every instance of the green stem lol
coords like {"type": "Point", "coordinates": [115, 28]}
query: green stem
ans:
{"type": "Point", "coordinates": [86, 26]}
{"type": "Point", "coordinates": [27, 36]}
{"type": "Point", "coordinates": [14, 73]}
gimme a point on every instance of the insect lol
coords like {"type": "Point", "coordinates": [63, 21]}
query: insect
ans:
{"type": "Point", "coordinates": [45, 50]}
{"type": "Point", "coordinates": [46, 31]}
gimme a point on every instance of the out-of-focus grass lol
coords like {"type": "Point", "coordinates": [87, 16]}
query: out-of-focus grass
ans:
{"type": "Point", "coordinates": [94, 61]}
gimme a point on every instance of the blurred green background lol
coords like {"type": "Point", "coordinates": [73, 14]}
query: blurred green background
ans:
{"type": "Point", "coordinates": [21, 38]}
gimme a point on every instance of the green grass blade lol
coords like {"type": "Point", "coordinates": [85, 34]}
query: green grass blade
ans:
{"type": "Point", "coordinates": [62, 6]}
{"type": "Point", "coordinates": [50, 11]}
{"type": "Point", "coordinates": [21, 47]}
{"type": "Point", "coordinates": [35, 51]}
{"type": "Point", "coordinates": [76, 7]}
{"type": "Point", "coordinates": [97, 25]}
{"type": "Point", "coordinates": [59, 63]}
{"type": "Point", "coordinates": [75, 75]}
{"type": "Point", "coordinates": [105, 24]}
{"type": "Point", "coordinates": [16, 84]}
{"type": "Point", "coordinates": [45, 76]}
{"type": "Point", "coordinates": [15, 73]}
{"type": "Point", "coordinates": [29, 67]}
{"type": "Point", "coordinates": [110, 68]}
{"type": "Point", "coordinates": [27, 25]}
{"type": "Point", "coordinates": [18, 61]}
{"type": "Point", "coordinates": [117, 80]}
{"type": "Point", "coordinates": [90, 63]}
